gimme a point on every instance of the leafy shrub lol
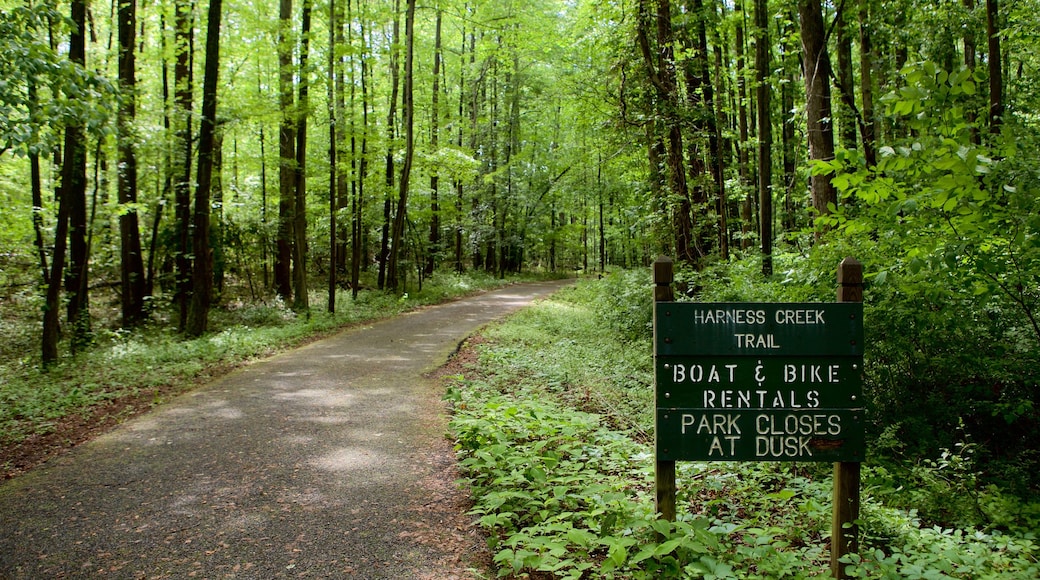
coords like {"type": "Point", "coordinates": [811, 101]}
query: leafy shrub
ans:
{"type": "Point", "coordinates": [624, 301]}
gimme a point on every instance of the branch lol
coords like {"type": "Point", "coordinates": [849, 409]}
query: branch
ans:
{"type": "Point", "coordinates": [548, 188]}
{"type": "Point", "coordinates": [644, 47]}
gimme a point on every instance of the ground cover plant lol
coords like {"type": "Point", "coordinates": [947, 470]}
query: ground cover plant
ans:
{"type": "Point", "coordinates": [123, 372]}
{"type": "Point", "coordinates": [553, 430]}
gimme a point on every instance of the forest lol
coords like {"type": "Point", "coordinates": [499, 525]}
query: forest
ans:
{"type": "Point", "coordinates": [166, 163]}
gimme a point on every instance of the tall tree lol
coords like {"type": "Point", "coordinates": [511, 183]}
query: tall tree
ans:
{"type": "Point", "coordinates": [408, 109]}
{"type": "Point", "coordinates": [713, 129]}
{"type": "Point", "coordinates": [73, 182]}
{"type": "Point", "coordinates": [391, 136]}
{"type": "Point", "coordinates": [359, 167]}
{"type": "Point", "coordinates": [435, 211]}
{"type": "Point", "coordinates": [202, 291]}
{"type": "Point", "coordinates": [286, 155]}
{"type": "Point", "coordinates": [697, 84]}
{"type": "Point", "coordinates": [335, 113]}
{"type": "Point", "coordinates": [847, 118]}
{"type": "Point", "coordinates": [184, 47]}
{"type": "Point", "coordinates": [131, 262]}
{"type": "Point", "coordinates": [301, 300]}
{"type": "Point", "coordinates": [743, 147]}
{"type": "Point", "coordinates": [788, 119]}
{"type": "Point", "coordinates": [817, 67]}
{"type": "Point", "coordinates": [765, 133]}
{"type": "Point", "coordinates": [74, 192]}
{"type": "Point", "coordinates": [663, 77]}
{"type": "Point", "coordinates": [866, 81]}
{"type": "Point", "coordinates": [996, 76]}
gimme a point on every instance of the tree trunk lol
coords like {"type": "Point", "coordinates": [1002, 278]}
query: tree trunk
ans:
{"type": "Point", "coordinates": [198, 317]}
{"type": "Point", "coordinates": [131, 262]}
{"type": "Point", "coordinates": [743, 146]}
{"type": "Point", "coordinates": [788, 119]}
{"type": "Point", "coordinates": [460, 266]}
{"type": "Point", "coordinates": [765, 134]}
{"type": "Point", "coordinates": [695, 75]}
{"type": "Point", "coordinates": [408, 108]}
{"type": "Point", "coordinates": [818, 100]}
{"type": "Point", "coordinates": [996, 76]}
{"type": "Point", "coordinates": [184, 46]}
{"type": "Point", "coordinates": [334, 118]}
{"type": "Point", "coordinates": [301, 299]}
{"type": "Point", "coordinates": [391, 123]}
{"type": "Point", "coordinates": [846, 113]}
{"type": "Point", "coordinates": [663, 77]}
{"type": "Point", "coordinates": [216, 221]}
{"type": "Point", "coordinates": [286, 156]}
{"type": "Point", "coordinates": [73, 177]}
{"type": "Point", "coordinates": [167, 161]}
{"type": "Point", "coordinates": [866, 72]}
{"type": "Point", "coordinates": [74, 191]}
{"type": "Point", "coordinates": [435, 211]}
{"type": "Point", "coordinates": [711, 125]}
{"type": "Point", "coordinates": [359, 235]}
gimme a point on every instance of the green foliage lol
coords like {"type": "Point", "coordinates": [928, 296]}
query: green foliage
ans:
{"type": "Point", "coordinates": [625, 303]}
{"type": "Point", "coordinates": [41, 89]}
{"type": "Point", "coordinates": [947, 225]}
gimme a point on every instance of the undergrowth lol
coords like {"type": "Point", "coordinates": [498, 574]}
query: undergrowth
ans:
{"type": "Point", "coordinates": [552, 429]}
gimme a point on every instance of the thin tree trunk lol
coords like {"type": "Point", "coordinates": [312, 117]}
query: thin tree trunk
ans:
{"type": "Point", "coordinates": [391, 123]}
{"type": "Point", "coordinates": [301, 298]}
{"type": "Point", "coordinates": [360, 252]}
{"type": "Point", "coordinates": [847, 124]}
{"type": "Point", "coordinates": [459, 189]}
{"type": "Point", "coordinates": [996, 76]}
{"type": "Point", "coordinates": [970, 50]}
{"type": "Point", "coordinates": [131, 262]}
{"type": "Point", "coordinates": [334, 118]}
{"type": "Point", "coordinates": [167, 183]}
{"type": "Point", "coordinates": [818, 100]}
{"type": "Point", "coordinates": [184, 45]}
{"type": "Point", "coordinates": [763, 91]}
{"type": "Point", "coordinates": [73, 177]}
{"type": "Point", "coordinates": [74, 191]}
{"type": "Point", "coordinates": [788, 119]}
{"type": "Point", "coordinates": [662, 71]}
{"type": "Point", "coordinates": [198, 318]}
{"type": "Point", "coordinates": [435, 211]}
{"type": "Point", "coordinates": [408, 109]}
{"type": "Point", "coordinates": [695, 77]}
{"type": "Point", "coordinates": [866, 72]}
{"type": "Point", "coordinates": [714, 135]}
{"type": "Point", "coordinates": [286, 156]}
{"type": "Point", "coordinates": [743, 147]}
{"type": "Point", "coordinates": [216, 233]}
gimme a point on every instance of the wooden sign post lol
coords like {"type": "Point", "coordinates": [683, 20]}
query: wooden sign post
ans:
{"type": "Point", "coordinates": [844, 531]}
{"type": "Point", "coordinates": [762, 382]}
{"type": "Point", "coordinates": [665, 470]}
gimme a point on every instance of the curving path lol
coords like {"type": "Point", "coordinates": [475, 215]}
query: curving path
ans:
{"type": "Point", "coordinates": [328, 461]}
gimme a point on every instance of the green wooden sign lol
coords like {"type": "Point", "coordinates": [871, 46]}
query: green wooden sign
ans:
{"type": "Point", "coordinates": [820, 330]}
{"type": "Point", "coordinates": [759, 382]}
{"type": "Point", "coordinates": [761, 435]}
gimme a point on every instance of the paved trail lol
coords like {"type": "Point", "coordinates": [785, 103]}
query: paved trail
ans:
{"type": "Point", "coordinates": [328, 461]}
